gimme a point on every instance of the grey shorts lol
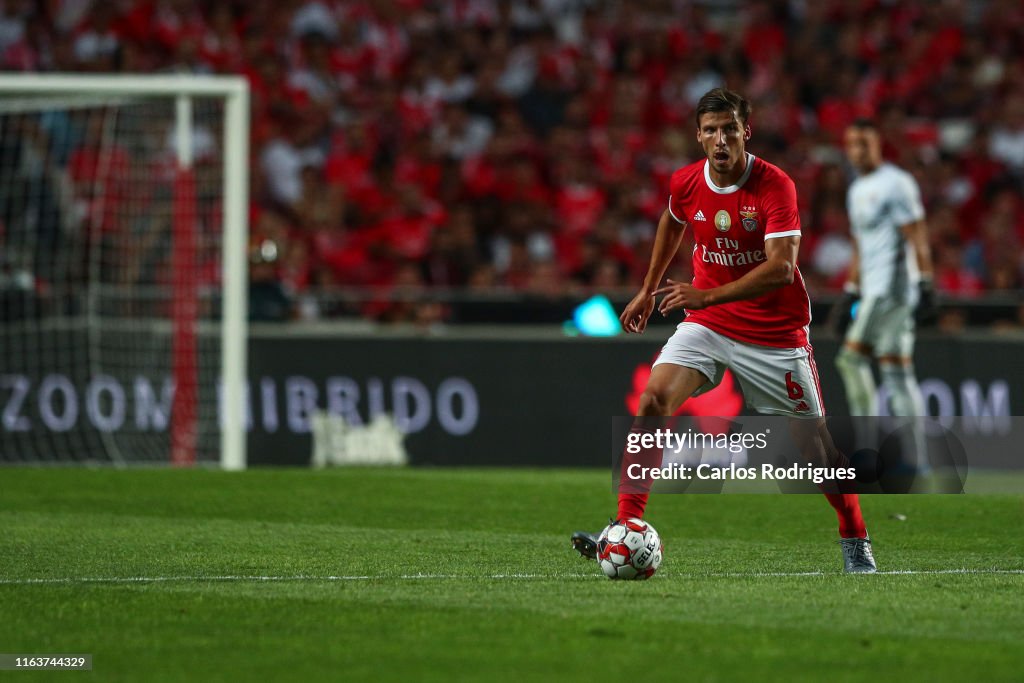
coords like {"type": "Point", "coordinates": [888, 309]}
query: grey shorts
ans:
{"type": "Point", "coordinates": [775, 381]}
{"type": "Point", "coordinates": [884, 325]}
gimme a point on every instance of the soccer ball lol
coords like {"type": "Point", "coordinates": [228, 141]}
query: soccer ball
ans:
{"type": "Point", "coordinates": [629, 550]}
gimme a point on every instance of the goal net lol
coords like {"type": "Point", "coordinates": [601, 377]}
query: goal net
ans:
{"type": "Point", "coordinates": [122, 269]}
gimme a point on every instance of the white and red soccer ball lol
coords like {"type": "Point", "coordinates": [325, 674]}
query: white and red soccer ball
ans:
{"type": "Point", "coordinates": [629, 550]}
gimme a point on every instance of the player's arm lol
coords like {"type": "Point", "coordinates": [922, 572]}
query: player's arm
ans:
{"type": "Point", "coordinates": [853, 271]}
{"type": "Point", "coordinates": [841, 315]}
{"type": "Point", "coordinates": [778, 270]}
{"type": "Point", "coordinates": [666, 243]}
{"type": "Point", "coordinates": [916, 235]}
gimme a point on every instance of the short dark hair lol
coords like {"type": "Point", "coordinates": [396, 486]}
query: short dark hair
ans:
{"type": "Point", "coordinates": [723, 99]}
{"type": "Point", "coordinates": [864, 123]}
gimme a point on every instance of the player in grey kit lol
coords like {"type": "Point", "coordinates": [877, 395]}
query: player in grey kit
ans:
{"type": "Point", "coordinates": [890, 280]}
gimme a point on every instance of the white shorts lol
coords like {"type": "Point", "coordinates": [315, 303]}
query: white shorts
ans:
{"type": "Point", "coordinates": [775, 381]}
{"type": "Point", "coordinates": [884, 325]}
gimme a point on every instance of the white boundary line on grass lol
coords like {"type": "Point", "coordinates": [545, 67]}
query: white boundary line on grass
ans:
{"type": "Point", "coordinates": [414, 577]}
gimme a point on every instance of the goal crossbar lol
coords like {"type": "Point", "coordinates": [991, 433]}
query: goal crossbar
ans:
{"type": "Point", "coordinates": [156, 85]}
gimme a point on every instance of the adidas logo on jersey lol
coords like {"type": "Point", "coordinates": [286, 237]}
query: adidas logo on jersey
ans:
{"type": "Point", "coordinates": [700, 216]}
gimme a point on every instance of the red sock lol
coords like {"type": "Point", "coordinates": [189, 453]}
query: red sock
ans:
{"type": "Point", "coordinates": [847, 507]}
{"type": "Point", "coordinates": [631, 505]}
{"type": "Point", "coordinates": [634, 492]}
{"type": "Point", "coordinates": [841, 496]}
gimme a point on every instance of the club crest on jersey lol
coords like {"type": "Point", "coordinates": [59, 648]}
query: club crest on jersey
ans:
{"type": "Point", "coordinates": [723, 221]}
{"type": "Point", "coordinates": [749, 219]}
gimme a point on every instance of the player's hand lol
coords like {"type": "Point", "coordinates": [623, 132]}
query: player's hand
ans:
{"type": "Point", "coordinates": [927, 310]}
{"type": "Point", "coordinates": [842, 314]}
{"type": "Point", "coordinates": [634, 317]}
{"type": "Point", "coordinates": [681, 295]}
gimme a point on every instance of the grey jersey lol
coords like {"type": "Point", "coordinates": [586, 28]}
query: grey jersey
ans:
{"type": "Point", "coordinates": [879, 204]}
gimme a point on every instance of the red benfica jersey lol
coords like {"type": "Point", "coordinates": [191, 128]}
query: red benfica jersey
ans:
{"type": "Point", "coordinates": [730, 226]}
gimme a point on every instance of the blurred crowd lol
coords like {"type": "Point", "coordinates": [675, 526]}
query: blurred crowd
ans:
{"type": "Point", "coordinates": [526, 145]}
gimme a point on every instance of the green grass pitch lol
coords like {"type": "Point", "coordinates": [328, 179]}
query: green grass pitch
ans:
{"type": "Point", "coordinates": [442, 575]}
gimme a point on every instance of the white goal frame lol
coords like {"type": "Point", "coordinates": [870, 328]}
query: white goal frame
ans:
{"type": "Point", "coordinates": [235, 268]}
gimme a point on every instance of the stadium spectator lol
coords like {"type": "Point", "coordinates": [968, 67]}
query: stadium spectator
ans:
{"type": "Point", "coordinates": [268, 300]}
{"type": "Point", "coordinates": [283, 157]}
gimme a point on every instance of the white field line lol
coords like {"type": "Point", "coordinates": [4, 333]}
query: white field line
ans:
{"type": "Point", "coordinates": [419, 577]}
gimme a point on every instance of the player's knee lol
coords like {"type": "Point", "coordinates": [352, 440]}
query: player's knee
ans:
{"type": "Point", "coordinates": [848, 360]}
{"type": "Point", "coordinates": [654, 402]}
{"type": "Point", "coordinates": [904, 393]}
{"type": "Point", "coordinates": [897, 375]}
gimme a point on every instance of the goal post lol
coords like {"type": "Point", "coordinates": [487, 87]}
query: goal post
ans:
{"type": "Point", "coordinates": [123, 268]}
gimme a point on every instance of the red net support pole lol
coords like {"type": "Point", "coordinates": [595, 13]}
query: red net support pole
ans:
{"type": "Point", "coordinates": [185, 305]}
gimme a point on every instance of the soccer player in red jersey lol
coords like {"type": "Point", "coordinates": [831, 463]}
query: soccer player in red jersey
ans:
{"type": "Point", "coordinates": [746, 308]}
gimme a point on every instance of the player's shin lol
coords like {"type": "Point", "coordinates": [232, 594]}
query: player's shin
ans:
{"type": "Point", "coordinates": [841, 495]}
{"type": "Point", "coordinates": [818, 448]}
{"type": "Point", "coordinates": [904, 392]}
{"type": "Point", "coordinates": [905, 398]}
{"type": "Point", "coordinates": [855, 369]}
{"type": "Point", "coordinates": [642, 454]}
